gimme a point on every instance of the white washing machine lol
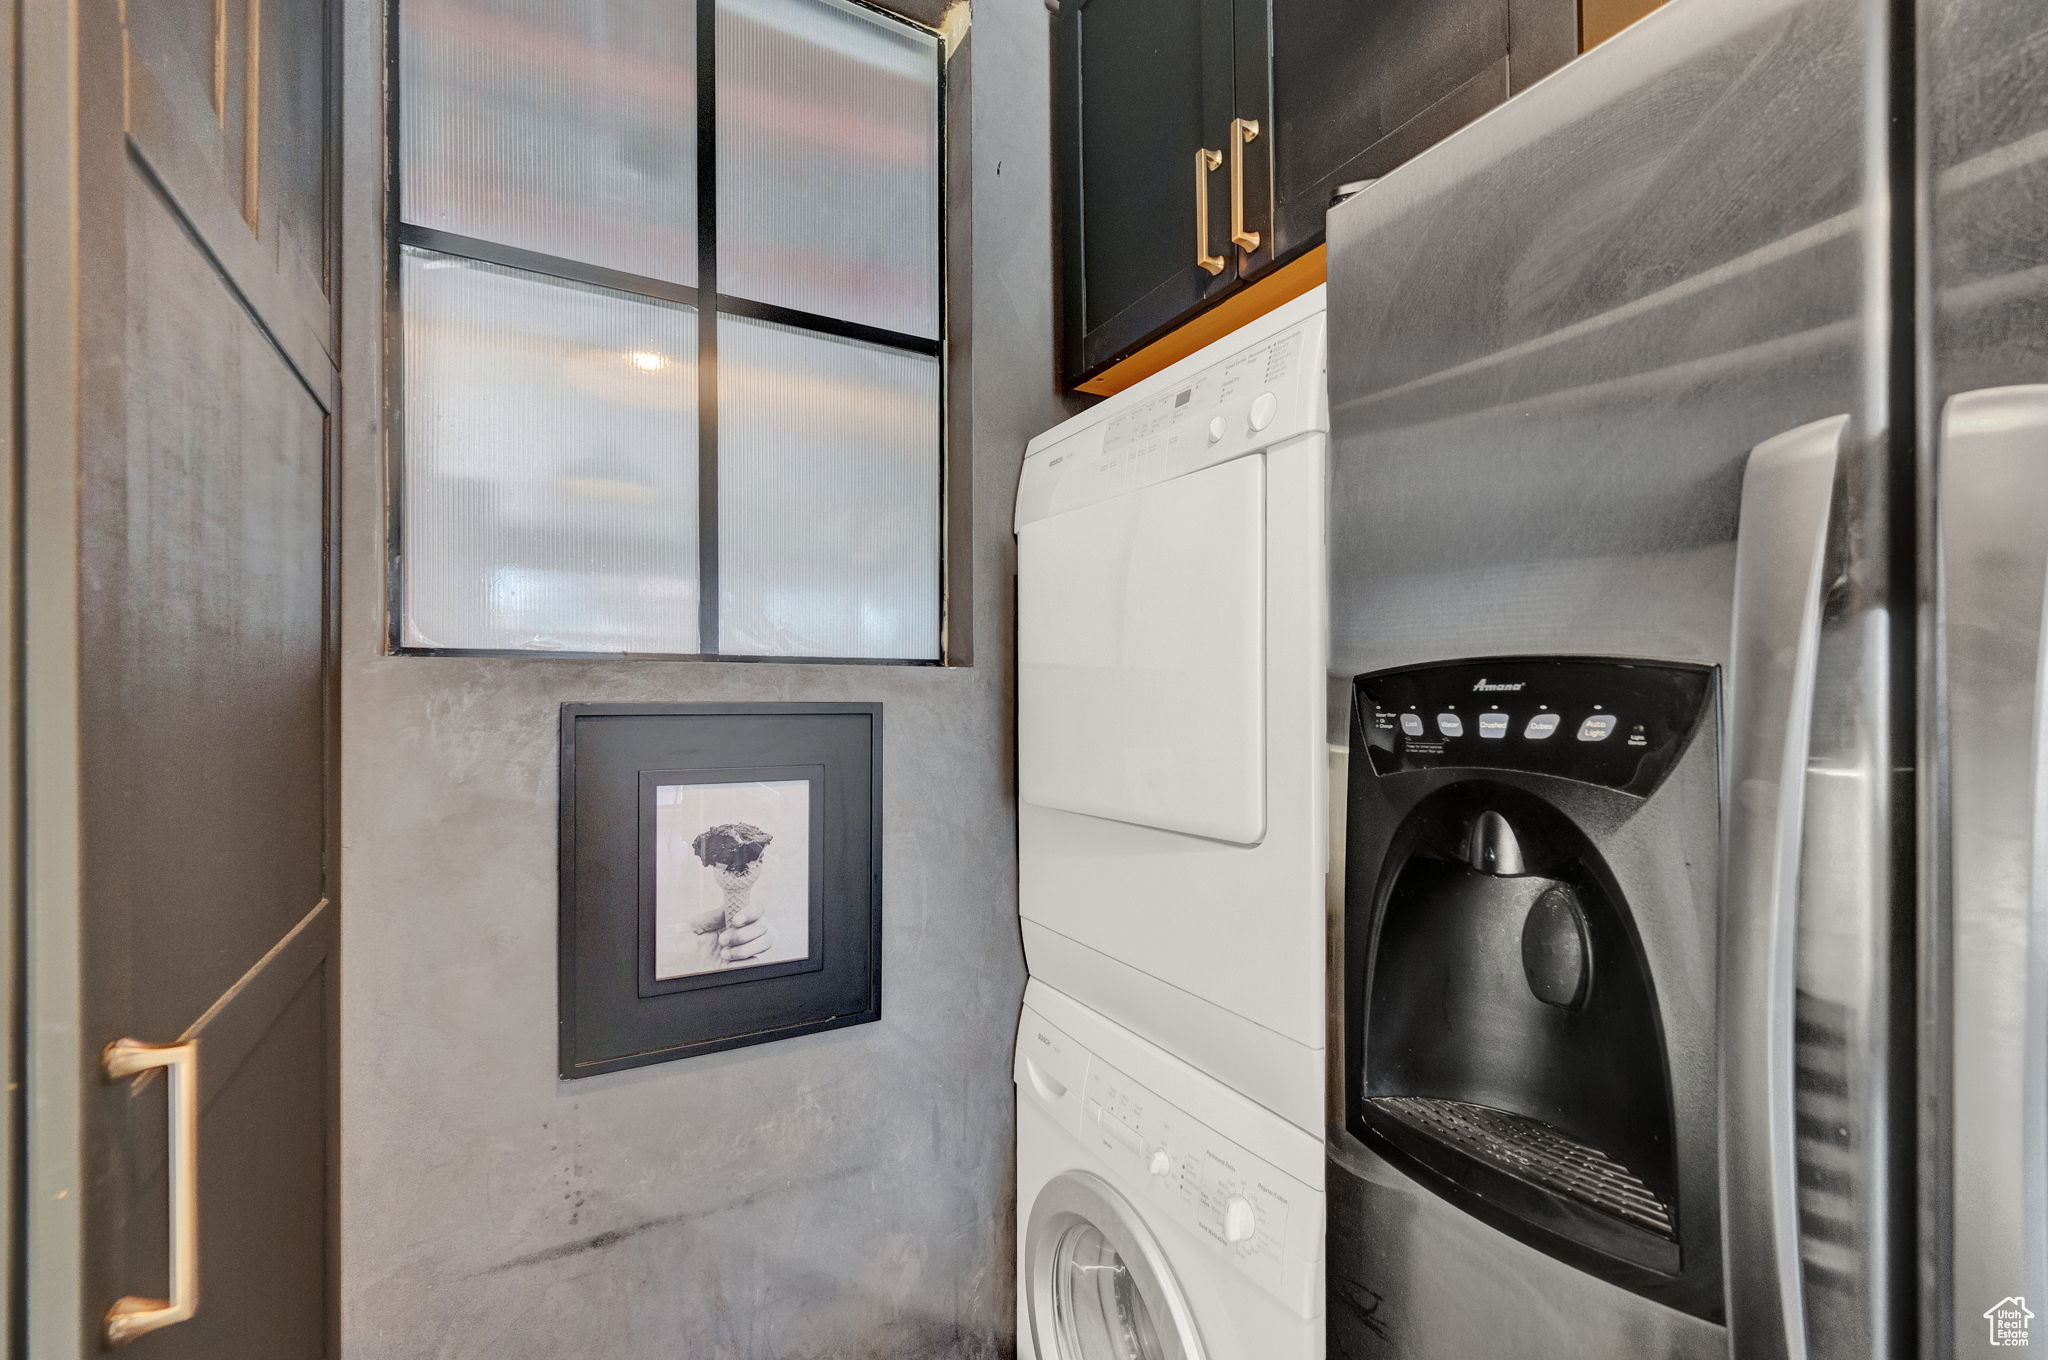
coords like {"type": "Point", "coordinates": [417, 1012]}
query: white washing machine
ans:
{"type": "Point", "coordinates": [1172, 574]}
{"type": "Point", "coordinates": [1160, 1216]}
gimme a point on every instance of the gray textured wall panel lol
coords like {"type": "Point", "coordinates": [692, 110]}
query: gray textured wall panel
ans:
{"type": "Point", "coordinates": [844, 1195]}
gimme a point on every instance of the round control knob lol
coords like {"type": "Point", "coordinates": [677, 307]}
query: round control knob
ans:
{"type": "Point", "coordinates": [1239, 1222]}
{"type": "Point", "coordinates": [1162, 1164]}
{"type": "Point", "coordinates": [1264, 407]}
{"type": "Point", "coordinates": [1215, 429]}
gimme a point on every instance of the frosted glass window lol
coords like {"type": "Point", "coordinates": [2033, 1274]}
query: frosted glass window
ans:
{"type": "Point", "coordinates": [828, 490]}
{"type": "Point", "coordinates": [828, 162]}
{"type": "Point", "coordinates": [550, 464]}
{"type": "Point", "coordinates": [552, 277]}
{"type": "Point", "coordinates": [567, 127]}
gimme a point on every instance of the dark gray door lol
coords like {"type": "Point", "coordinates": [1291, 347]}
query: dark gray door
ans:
{"type": "Point", "coordinates": [179, 384]}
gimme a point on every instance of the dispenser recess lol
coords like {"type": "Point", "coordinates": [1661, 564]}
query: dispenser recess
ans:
{"type": "Point", "coordinates": [1531, 926]}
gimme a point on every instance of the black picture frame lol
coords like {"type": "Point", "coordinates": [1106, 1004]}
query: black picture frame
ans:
{"type": "Point", "coordinates": [614, 1012]}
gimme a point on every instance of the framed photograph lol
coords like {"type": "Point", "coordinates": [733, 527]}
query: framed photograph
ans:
{"type": "Point", "coordinates": [720, 877]}
{"type": "Point", "coordinates": [735, 890]}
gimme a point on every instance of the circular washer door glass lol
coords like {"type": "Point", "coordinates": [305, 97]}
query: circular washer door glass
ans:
{"type": "Point", "coordinates": [1099, 1312]}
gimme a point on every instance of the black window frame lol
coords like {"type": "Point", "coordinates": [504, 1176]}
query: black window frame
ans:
{"type": "Point", "coordinates": [400, 234]}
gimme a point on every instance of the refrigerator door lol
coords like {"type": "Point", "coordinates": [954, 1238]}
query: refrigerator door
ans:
{"type": "Point", "coordinates": [1994, 508]}
{"type": "Point", "coordinates": [1555, 340]}
{"type": "Point", "coordinates": [1984, 935]}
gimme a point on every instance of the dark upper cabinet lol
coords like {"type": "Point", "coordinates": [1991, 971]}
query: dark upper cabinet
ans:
{"type": "Point", "coordinates": [1146, 96]}
{"type": "Point", "coordinates": [1255, 110]}
{"type": "Point", "coordinates": [1361, 87]}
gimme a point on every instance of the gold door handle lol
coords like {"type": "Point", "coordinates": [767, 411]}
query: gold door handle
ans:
{"type": "Point", "coordinates": [1205, 161]}
{"type": "Point", "coordinates": [134, 1316]}
{"type": "Point", "coordinates": [1243, 131]}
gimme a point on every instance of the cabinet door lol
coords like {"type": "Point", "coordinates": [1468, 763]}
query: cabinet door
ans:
{"type": "Point", "coordinates": [1248, 158]}
{"type": "Point", "coordinates": [1360, 88]}
{"type": "Point", "coordinates": [1145, 86]}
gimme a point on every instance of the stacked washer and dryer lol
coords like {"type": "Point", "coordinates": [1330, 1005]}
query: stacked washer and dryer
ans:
{"type": "Point", "coordinates": [1172, 756]}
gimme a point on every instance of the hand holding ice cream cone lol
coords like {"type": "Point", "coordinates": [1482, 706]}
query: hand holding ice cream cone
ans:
{"type": "Point", "coordinates": [735, 853]}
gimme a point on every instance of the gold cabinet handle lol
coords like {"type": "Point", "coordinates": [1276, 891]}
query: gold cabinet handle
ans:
{"type": "Point", "coordinates": [1243, 132]}
{"type": "Point", "coordinates": [1205, 161]}
{"type": "Point", "coordinates": [125, 1058]}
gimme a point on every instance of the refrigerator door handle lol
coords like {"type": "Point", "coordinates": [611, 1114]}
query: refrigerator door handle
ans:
{"type": "Point", "coordinates": [1992, 499]}
{"type": "Point", "coordinates": [1781, 548]}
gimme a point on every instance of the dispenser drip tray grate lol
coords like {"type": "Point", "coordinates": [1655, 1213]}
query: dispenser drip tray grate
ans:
{"type": "Point", "coordinates": [1535, 1152]}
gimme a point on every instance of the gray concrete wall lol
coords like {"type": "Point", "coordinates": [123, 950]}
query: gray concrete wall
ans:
{"type": "Point", "coordinates": [844, 1195]}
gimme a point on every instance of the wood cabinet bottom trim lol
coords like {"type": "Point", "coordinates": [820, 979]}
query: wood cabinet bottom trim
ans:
{"type": "Point", "coordinates": [1254, 300]}
{"type": "Point", "coordinates": [1600, 20]}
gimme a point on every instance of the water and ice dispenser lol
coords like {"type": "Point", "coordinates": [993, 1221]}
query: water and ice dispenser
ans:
{"type": "Point", "coordinates": [1531, 930]}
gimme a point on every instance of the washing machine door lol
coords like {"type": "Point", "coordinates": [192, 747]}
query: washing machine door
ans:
{"type": "Point", "coordinates": [1100, 1287]}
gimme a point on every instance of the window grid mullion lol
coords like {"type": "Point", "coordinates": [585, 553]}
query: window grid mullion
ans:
{"type": "Point", "coordinates": [486, 251]}
{"type": "Point", "coordinates": [709, 640]}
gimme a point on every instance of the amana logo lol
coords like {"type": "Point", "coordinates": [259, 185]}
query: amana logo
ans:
{"type": "Point", "coordinates": [1486, 686]}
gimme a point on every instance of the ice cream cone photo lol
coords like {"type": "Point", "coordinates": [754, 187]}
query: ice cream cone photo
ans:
{"type": "Point", "coordinates": [731, 876]}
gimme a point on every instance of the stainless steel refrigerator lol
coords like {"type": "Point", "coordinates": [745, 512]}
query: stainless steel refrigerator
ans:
{"type": "Point", "coordinates": [1689, 554]}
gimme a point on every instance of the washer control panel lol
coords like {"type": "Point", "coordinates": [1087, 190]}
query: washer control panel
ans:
{"type": "Point", "coordinates": [1618, 723]}
{"type": "Point", "coordinates": [1261, 396]}
{"type": "Point", "coordinates": [1241, 1206]}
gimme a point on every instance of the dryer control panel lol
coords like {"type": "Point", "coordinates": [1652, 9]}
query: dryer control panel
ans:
{"type": "Point", "coordinates": [1263, 395]}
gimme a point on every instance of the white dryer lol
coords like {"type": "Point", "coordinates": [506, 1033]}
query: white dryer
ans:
{"type": "Point", "coordinates": [1160, 1216]}
{"type": "Point", "coordinates": [1171, 743]}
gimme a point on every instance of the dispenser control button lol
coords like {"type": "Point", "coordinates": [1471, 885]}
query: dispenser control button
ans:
{"type": "Point", "coordinates": [1450, 724]}
{"type": "Point", "coordinates": [1216, 429]}
{"type": "Point", "coordinates": [1493, 726]}
{"type": "Point", "coordinates": [1540, 726]}
{"type": "Point", "coordinates": [1264, 407]}
{"type": "Point", "coordinates": [1411, 723]}
{"type": "Point", "coordinates": [1240, 1223]}
{"type": "Point", "coordinates": [1599, 727]}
